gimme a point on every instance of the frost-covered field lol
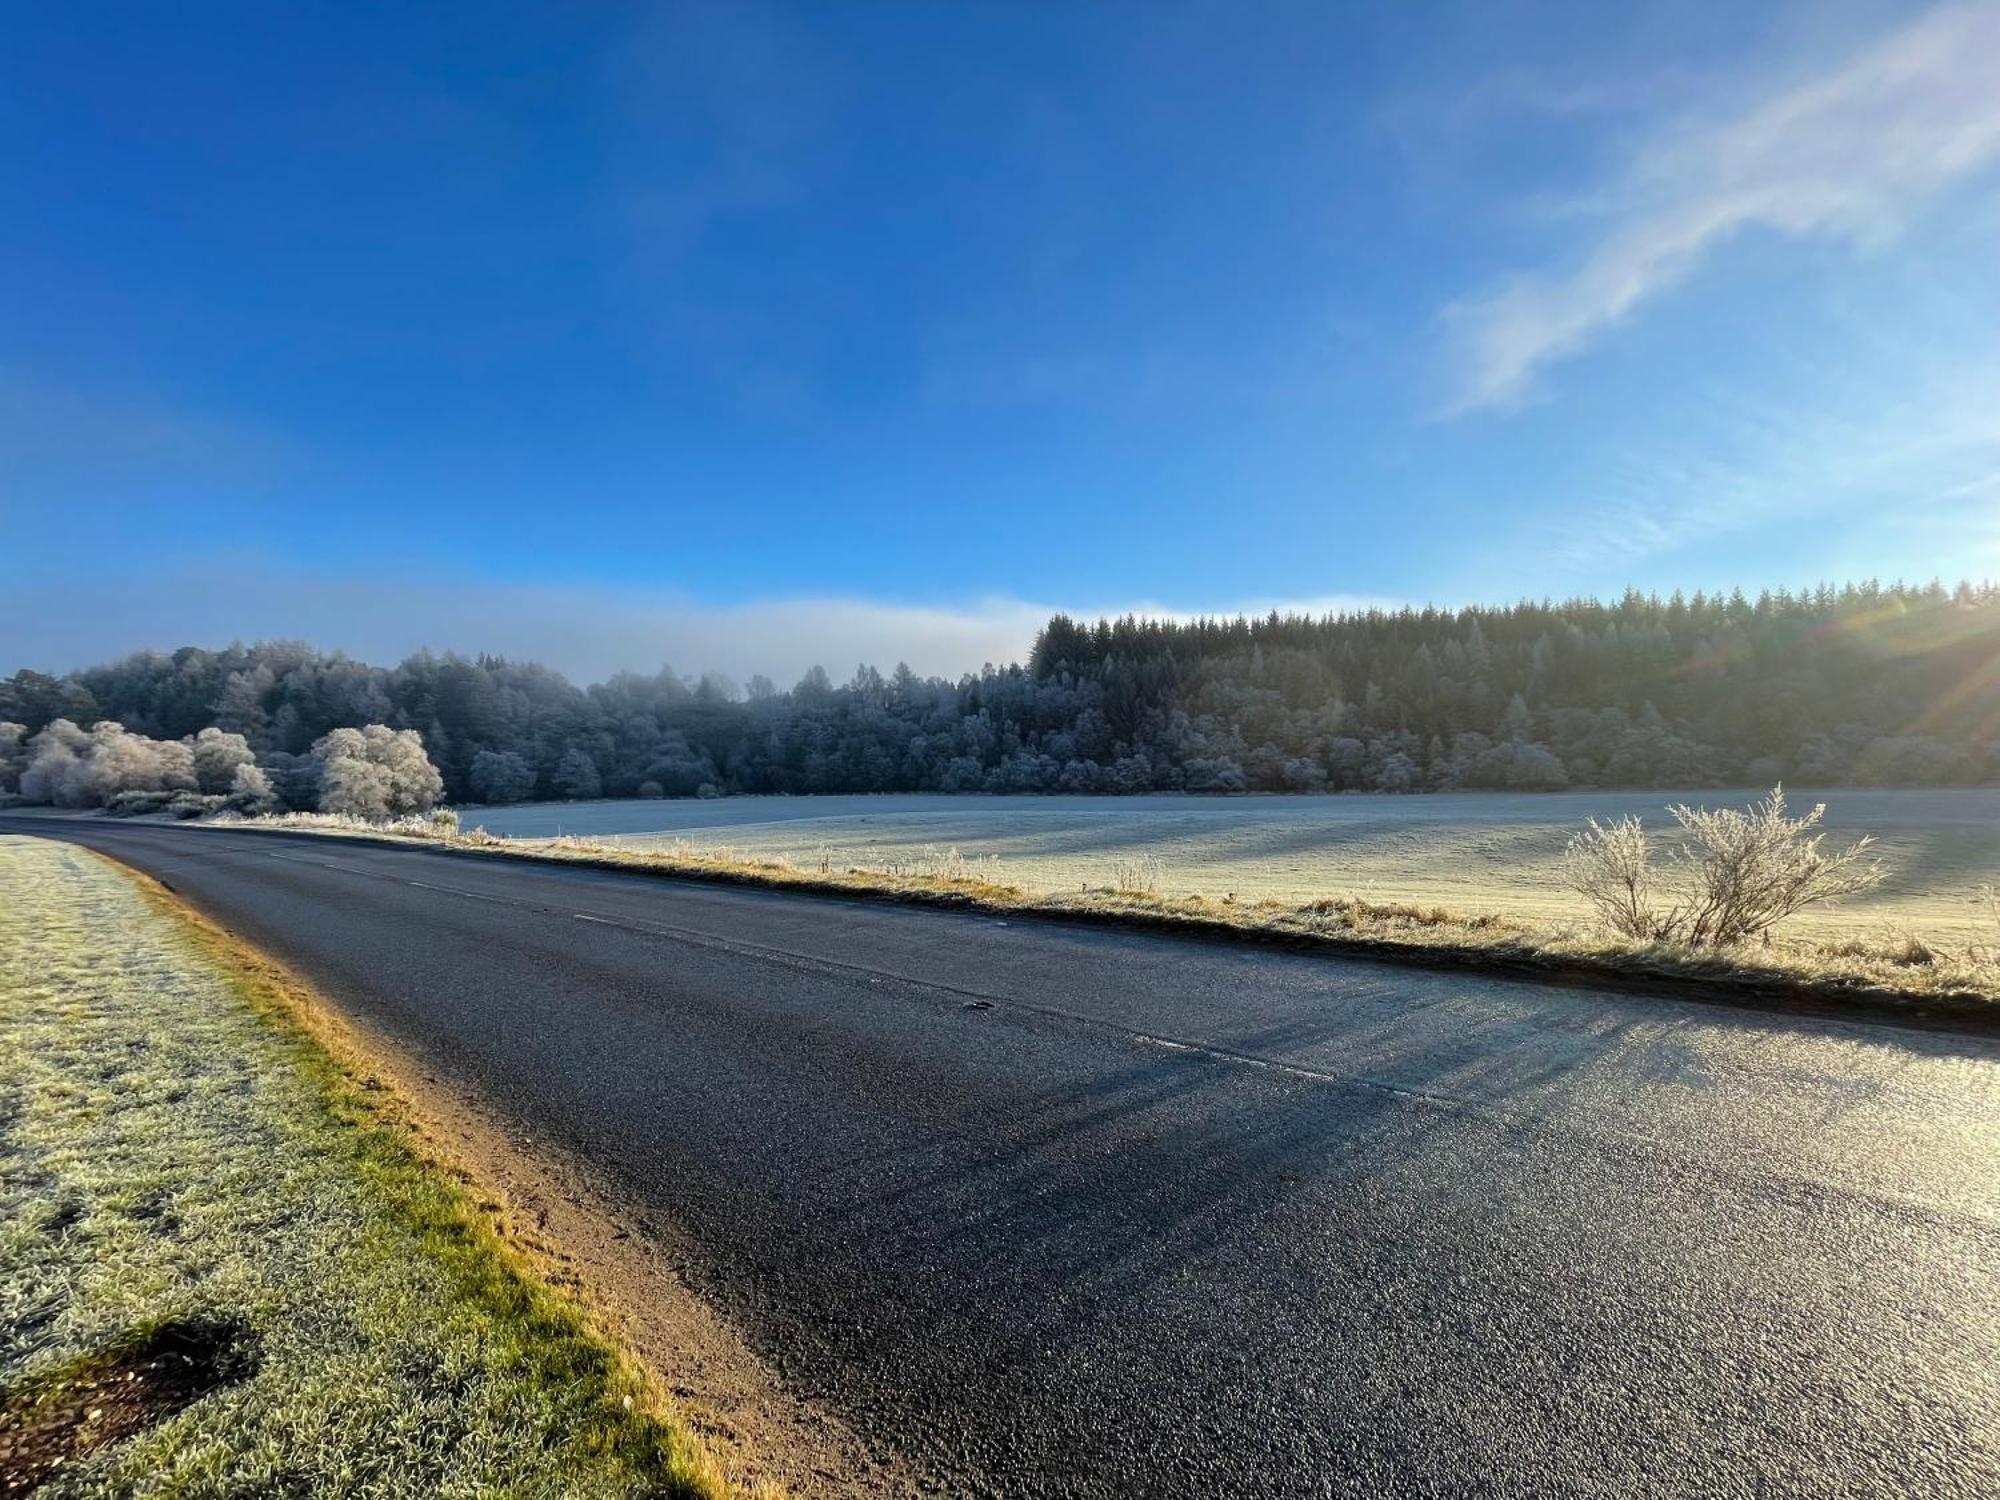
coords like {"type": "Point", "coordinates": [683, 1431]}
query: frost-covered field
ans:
{"type": "Point", "coordinates": [183, 1176]}
{"type": "Point", "coordinates": [1470, 851]}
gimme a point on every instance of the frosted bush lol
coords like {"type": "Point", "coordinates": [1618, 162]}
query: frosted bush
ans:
{"type": "Point", "coordinates": [250, 790]}
{"type": "Point", "coordinates": [217, 756]}
{"type": "Point", "coordinates": [376, 773]}
{"type": "Point", "coordinates": [1140, 874]}
{"type": "Point", "coordinates": [54, 772]}
{"type": "Point", "coordinates": [71, 767]}
{"type": "Point", "coordinates": [1738, 873]}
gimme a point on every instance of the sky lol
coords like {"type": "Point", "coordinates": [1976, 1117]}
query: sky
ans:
{"type": "Point", "coordinates": [745, 335]}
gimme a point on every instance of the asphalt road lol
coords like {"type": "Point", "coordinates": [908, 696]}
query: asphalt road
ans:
{"type": "Point", "coordinates": [1060, 1211]}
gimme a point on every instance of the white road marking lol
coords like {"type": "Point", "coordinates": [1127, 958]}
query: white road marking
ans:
{"type": "Point", "coordinates": [452, 890]}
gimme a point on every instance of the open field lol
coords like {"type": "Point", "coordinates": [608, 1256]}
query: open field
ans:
{"type": "Point", "coordinates": [223, 1270]}
{"type": "Point", "coordinates": [1470, 852]}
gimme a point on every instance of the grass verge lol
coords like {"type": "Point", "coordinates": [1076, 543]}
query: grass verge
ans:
{"type": "Point", "coordinates": [1898, 977]}
{"type": "Point", "coordinates": [225, 1269]}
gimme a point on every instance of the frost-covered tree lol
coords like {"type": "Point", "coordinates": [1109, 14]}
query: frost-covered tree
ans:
{"type": "Point", "coordinates": [13, 756]}
{"type": "Point", "coordinates": [54, 771]}
{"type": "Point", "coordinates": [351, 780]}
{"type": "Point", "coordinates": [1511, 765]}
{"type": "Point", "coordinates": [121, 761]}
{"type": "Point", "coordinates": [501, 776]}
{"type": "Point", "coordinates": [1398, 773]}
{"type": "Point", "coordinates": [576, 775]}
{"type": "Point", "coordinates": [250, 790]}
{"type": "Point", "coordinates": [217, 755]}
{"type": "Point", "coordinates": [240, 706]}
{"type": "Point", "coordinates": [1214, 774]}
{"type": "Point", "coordinates": [376, 772]}
{"type": "Point", "coordinates": [71, 767]}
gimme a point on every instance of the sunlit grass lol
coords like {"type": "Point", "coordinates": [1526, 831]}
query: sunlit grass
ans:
{"type": "Point", "coordinates": [173, 1147]}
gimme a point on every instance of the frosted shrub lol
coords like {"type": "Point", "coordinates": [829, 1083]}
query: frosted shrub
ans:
{"type": "Point", "coordinates": [422, 826]}
{"type": "Point", "coordinates": [1610, 865]}
{"type": "Point", "coordinates": [138, 804]}
{"type": "Point", "coordinates": [250, 790]}
{"type": "Point", "coordinates": [217, 756]}
{"type": "Point", "coordinates": [1738, 873]}
{"type": "Point", "coordinates": [1138, 875]}
{"type": "Point", "coordinates": [376, 773]}
{"type": "Point", "coordinates": [941, 864]}
{"type": "Point", "coordinates": [55, 767]}
{"type": "Point", "coordinates": [74, 768]}
{"type": "Point", "coordinates": [121, 761]}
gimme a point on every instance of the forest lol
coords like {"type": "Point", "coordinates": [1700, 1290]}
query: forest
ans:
{"type": "Point", "coordinates": [1856, 684]}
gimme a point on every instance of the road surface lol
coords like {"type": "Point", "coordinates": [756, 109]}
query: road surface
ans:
{"type": "Point", "coordinates": [1051, 1210]}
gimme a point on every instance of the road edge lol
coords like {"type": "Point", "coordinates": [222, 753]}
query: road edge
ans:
{"type": "Point", "coordinates": [558, 1222]}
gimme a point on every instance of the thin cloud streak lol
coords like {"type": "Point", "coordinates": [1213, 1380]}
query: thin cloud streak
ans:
{"type": "Point", "coordinates": [1852, 154]}
{"type": "Point", "coordinates": [1923, 447]}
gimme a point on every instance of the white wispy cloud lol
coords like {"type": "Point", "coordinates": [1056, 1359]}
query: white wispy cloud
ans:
{"type": "Point", "coordinates": [1852, 153]}
{"type": "Point", "coordinates": [1888, 467]}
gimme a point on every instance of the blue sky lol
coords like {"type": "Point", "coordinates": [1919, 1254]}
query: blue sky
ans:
{"type": "Point", "coordinates": [747, 334]}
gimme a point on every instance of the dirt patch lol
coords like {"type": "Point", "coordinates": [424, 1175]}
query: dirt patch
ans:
{"type": "Point", "coordinates": [115, 1393]}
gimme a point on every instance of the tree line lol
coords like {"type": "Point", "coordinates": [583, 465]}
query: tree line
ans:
{"type": "Point", "coordinates": [1863, 683]}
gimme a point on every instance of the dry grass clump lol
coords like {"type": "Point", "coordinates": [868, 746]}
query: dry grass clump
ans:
{"type": "Point", "coordinates": [1354, 911]}
{"type": "Point", "coordinates": [439, 823]}
{"type": "Point", "coordinates": [933, 863]}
